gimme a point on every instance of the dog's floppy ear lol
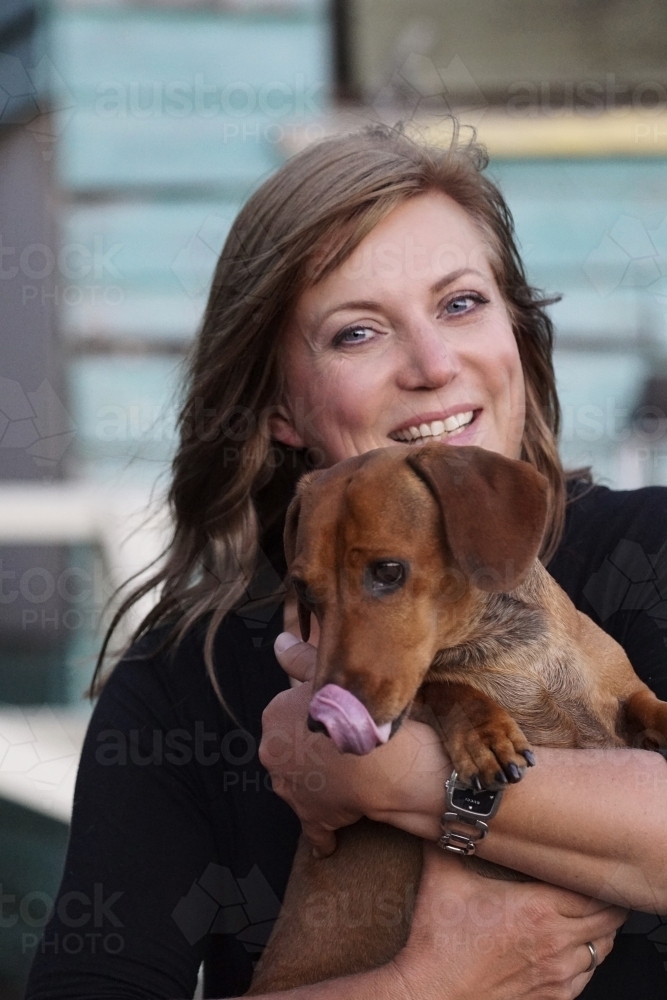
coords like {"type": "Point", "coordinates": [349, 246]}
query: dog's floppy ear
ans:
{"type": "Point", "coordinates": [494, 510]}
{"type": "Point", "coordinates": [289, 543]}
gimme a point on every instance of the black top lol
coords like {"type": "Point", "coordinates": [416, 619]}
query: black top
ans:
{"type": "Point", "coordinates": [179, 851]}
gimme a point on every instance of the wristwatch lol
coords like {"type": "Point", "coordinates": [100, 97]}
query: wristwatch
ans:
{"type": "Point", "coordinates": [474, 809]}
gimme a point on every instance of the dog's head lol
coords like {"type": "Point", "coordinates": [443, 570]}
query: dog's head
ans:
{"type": "Point", "coordinates": [394, 551]}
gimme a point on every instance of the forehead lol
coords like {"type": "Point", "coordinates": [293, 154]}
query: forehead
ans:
{"type": "Point", "coordinates": [423, 238]}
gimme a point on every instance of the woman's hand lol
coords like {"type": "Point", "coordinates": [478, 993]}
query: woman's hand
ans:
{"type": "Point", "coordinates": [306, 768]}
{"type": "Point", "coordinates": [473, 937]}
{"type": "Point", "coordinates": [328, 789]}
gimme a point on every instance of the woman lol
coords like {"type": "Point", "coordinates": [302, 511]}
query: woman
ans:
{"type": "Point", "coordinates": [369, 287]}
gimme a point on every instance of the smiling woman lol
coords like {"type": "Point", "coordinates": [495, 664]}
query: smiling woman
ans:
{"type": "Point", "coordinates": [369, 295]}
{"type": "Point", "coordinates": [371, 286]}
{"type": "Point", "coordinates": [394, 345]}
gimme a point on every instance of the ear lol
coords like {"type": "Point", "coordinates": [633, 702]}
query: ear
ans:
{"type": "Point", "coordinates": [281, 427]}
{"type": "Point", "coordinates": [290, 539]}
{"type": "Point", "coordinates": [494, 511]}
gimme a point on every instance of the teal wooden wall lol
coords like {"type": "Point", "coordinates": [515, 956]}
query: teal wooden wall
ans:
{"type": "Point", "coordinates": [168, 119]}
{"type": "Point", "coordinates": [596, 232]}
{"type": "Point", "coordinates": [176, 97]}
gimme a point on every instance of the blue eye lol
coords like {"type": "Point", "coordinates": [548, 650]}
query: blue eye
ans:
{"type": "Point", "coordinates": [353, 333]}
{"type": "Point", "coordinates": [464, 303]}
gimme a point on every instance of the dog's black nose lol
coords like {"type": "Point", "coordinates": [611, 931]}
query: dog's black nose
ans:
{"type": "Point", "coordinates": [317, 727]}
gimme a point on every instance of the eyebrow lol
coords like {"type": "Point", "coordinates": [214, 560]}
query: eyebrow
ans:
{"type": "Point", "coordinates": [371, 304]}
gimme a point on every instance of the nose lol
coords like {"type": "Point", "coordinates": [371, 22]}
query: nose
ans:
{"type": "Point", "coordinates": [429, 361]}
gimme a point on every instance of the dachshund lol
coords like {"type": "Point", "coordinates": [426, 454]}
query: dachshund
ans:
{"type": "Point", "coordinates": [420, 564]}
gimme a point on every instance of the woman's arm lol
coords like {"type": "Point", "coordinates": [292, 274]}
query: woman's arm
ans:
{"type": "Point", "coordinates": [471, 937]}
{"type": "Point", "coordinates": [590, 820]}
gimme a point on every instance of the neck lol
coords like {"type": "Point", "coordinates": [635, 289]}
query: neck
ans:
{"type": "Point", "coordinates": [512, 623]}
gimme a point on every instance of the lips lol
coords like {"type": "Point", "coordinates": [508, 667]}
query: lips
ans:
{"type": "Point", "coordinates": [348, 722]}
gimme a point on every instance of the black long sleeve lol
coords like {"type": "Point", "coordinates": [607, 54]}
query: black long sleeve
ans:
{"type": "Point", "coordinates": [179, 850]}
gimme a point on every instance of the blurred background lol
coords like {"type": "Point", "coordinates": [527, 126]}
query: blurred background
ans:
{"type": "Point", "coordinates": [130, 134]}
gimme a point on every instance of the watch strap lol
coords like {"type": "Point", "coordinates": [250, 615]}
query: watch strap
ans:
{"type": "Point", "coordinates": [478, 825]}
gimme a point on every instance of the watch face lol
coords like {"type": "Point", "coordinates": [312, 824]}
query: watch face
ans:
{"type": "Point", "coordinates": [474, 802]}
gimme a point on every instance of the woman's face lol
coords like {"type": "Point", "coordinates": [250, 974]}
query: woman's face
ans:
{"type": "Point", "coordinates": [408, 340]}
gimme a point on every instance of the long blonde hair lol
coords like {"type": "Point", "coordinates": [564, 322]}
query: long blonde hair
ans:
{"type": "Point", "coordinates": [231, 484]}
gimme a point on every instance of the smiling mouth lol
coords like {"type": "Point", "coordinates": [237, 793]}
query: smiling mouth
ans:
{"type": "Point", "coordinates": [436, 430]}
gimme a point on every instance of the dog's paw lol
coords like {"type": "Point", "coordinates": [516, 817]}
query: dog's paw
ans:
{"type": "Point", "coordinates": [490, 754]}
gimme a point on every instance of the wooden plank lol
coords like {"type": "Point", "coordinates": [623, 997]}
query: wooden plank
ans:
{"type": "Point", "coordinates": [97, 49]}
{"type": "Point", "coordinates": [111, 153]}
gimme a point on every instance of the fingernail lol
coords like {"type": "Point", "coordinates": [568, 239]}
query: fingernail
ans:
{"type": "Point", "coordinates": [284, 641]}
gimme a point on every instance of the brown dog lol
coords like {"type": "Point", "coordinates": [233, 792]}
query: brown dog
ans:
{"type": "Point", "coordinates": [421, 567]}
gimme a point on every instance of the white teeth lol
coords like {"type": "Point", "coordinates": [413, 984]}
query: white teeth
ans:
{"type": "Point", "coordinates": [437, 428]}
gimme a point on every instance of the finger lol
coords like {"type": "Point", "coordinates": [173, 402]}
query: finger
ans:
{"type": "Point", "coordinates": [602, 946]}
{"type": "Point", "coordinates": [295, 657]}
{"type": "Point", "coordinates": [573, 904]}
{"type": "Point", "coordinates": [600, 924]}
{"type": "Point", "coordinates": [323, 842]}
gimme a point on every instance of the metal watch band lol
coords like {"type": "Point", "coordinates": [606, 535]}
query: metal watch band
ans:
{"type": "Point", "coordinates": [453, 840]}
{"type": "Point", "coordinates": [460, 843]}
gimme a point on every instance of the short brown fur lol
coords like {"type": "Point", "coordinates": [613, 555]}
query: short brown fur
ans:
{"type": "Point", "coordinates": [480, 642]}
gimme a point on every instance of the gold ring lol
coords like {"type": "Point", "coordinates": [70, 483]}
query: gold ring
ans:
{"type": "Point", "coordinates": [595, 961]}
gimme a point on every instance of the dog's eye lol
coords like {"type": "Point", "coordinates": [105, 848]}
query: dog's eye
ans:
{"type": "Point", "coordinates": [385, 576]}
{"type": "Point", "coordinates": [305, 594]}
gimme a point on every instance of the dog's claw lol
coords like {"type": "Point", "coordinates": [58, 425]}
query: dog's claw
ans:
{"type": "Point", "coordinates": [476, 783]}
{"type": "Point", "coordinates": [501, 777]}
{"type": "Point", "coordinates": [530, 757]}
{"type": "Point", "coordinates": [513, 772]}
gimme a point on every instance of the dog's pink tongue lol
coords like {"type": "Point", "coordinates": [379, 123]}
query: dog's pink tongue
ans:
{"type": "Point", "coordinates": [347, 721]}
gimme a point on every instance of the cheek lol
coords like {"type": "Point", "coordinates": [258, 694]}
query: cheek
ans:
{"type": "Point", "coordinates": [348, 395]}
{"type": "Point", "coordinates": [503, 365]}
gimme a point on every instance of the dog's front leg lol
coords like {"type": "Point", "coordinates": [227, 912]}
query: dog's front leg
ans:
{"type": "Point", "coordinates": [484, 743]}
